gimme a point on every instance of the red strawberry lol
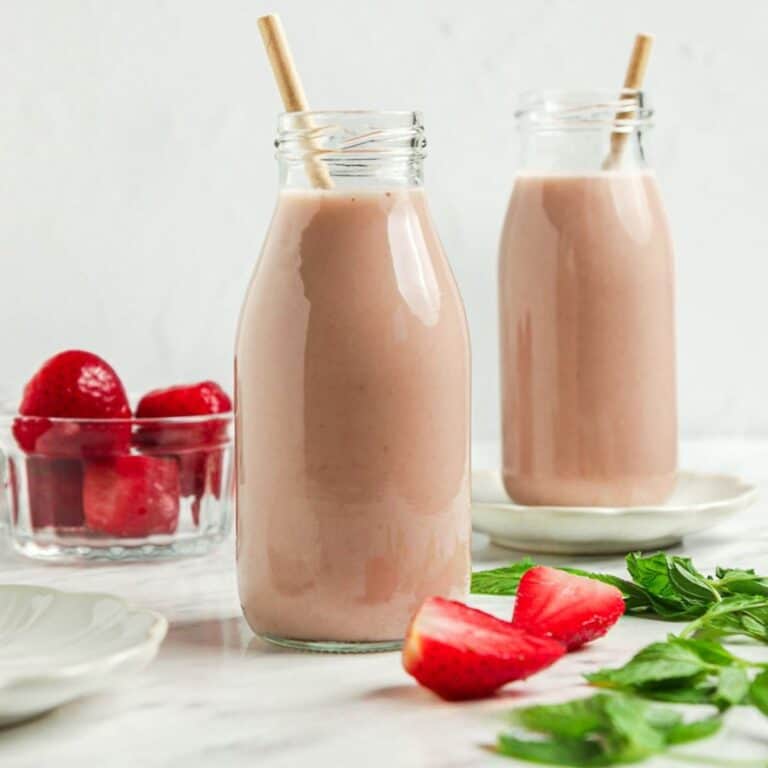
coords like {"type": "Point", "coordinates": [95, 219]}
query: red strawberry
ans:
{"type": "Point", "coordinates": [568, 608]}
{"type": "Point", "coordinates": [73, 385]}
{"type": "Point", "coordinates": [131, 496]}
{"type": "Point", "coordinates": [197, 445]}
{"type": "Point", "coordinates": [55, 492]}
{"type": "Point", "coordinates": [184, 400]}
{"type": "Point", "coordinates": [461, 653]}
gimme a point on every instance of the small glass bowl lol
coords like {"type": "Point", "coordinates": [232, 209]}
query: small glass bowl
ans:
{"type": "Point", "coordinates": [116, 489]}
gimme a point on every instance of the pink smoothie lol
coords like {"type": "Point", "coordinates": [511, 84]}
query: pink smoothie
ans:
{"type": "Point", "coordinates": [353, 420]}
{"type": "Point", "coordinates": [587, 341]}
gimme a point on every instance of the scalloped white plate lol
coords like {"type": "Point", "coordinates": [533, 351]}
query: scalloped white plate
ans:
{"type": "Point", "coordinates": [698, 502]}
{"type": "Point", "coordinates": [58, 646]}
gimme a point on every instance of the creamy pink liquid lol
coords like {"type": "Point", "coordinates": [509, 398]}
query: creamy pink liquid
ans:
{"type": "Point", "coordinates": [587, 341]}
{"type": "Point", "coordinates": [353, 420]}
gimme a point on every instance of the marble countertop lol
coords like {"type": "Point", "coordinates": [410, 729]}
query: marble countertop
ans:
{"type": "Point", "coordinates": [217, 696]}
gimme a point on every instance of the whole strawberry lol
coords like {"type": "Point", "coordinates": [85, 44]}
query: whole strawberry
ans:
{"type": "Point", "coordinates": [73, 385]}
{"type": "Point", "coordinates": [204, 399]}
{"type": "Point", "coordinates": [197, 444]}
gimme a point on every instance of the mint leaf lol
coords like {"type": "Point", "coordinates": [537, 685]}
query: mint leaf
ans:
{"type": "Point", "coordinates": [636, 731]}
{"type": "Point", "coordinates": [758, 692]}
{"type": "Point", "coordinates": [675, 588]}
{"type": "Point", "coordinates": [656, 663]}
{"type": "Point", "coordinates": [683, 671]}
{"type": "Point", "coordinates": [695, 730]}
{"type": "Point", "coordinates": [604, 730]}
{"type": "Point", "coordinates": [571, 720]}
{"type": "Point", "coordinates": [737, 581]}
{"type": "Point", "coordinates": [552, 752]}
{"type": "Point", "coordinates": [701, 692]}
{"type": "Point", "coordinates": [692, 585]}
{"type": "Point", "coordinates": [738, 615]}
{"type": "Point", "coordinates": [732, 687]}
{"type": "Point", "coordinates": [500, 581]}
{"type": "Point", "coordinates": [708, 651]}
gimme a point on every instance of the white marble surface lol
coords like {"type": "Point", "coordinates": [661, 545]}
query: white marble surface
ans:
{"type": "Point", "coordinates": [217, 696]}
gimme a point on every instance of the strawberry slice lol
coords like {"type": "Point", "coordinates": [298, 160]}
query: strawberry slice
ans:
{"type": "Point", "coordinates": [462, 653]}
{"type": "Point", "coordinates": [571, 609]}
{"type": "Point", "coordinates": [132, 496]}
{"type": "Point", "coordinates": [55, 492]}
{"type": "Point", "coordinates": [197, 446]}
{"type": "Point", "coordinates": [73, 385]}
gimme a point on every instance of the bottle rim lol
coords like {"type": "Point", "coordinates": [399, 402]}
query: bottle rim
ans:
{"type": "Point", "coordinates": [623, 110]}
{"type": "Point", "coordinates": [352, 135]}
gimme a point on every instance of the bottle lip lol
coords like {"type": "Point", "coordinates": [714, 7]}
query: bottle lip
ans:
{"type": "Point", "coordinates": [623, 110]}
{"type": "Point", "coordinates": [351, 113]}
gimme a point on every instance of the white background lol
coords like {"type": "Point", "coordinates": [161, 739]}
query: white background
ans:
{"type": "Point", "coordinates": [137, 174]}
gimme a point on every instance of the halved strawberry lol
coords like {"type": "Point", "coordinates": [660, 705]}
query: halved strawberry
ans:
{"type": "Point", "coordinates": [571, 609]}
{"type": "Point", "coordinates": [132, 496]}
{"type": "Point", "coordinates": [462, 653]}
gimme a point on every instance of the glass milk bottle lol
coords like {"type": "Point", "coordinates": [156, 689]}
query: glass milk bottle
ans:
{"type": "Point", "coordinates": [352, 389]}
{"type": "Point", "coordinates": [586, 291]}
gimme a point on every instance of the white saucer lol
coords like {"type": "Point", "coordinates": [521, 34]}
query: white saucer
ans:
{"type": "Point", "coordinates": [699, 501]}
{"type": "Point", "coordinates": [57, 646]}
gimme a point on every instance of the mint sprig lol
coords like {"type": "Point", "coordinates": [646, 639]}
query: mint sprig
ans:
{"type": "Point", "coordinates": [733, 602]}
{"type": "Point", "coordinates": [599, 731]}
{"type": "Point", "coordinates": [627, 725]}
{"type": "Point", "coordinates": [685, 671]}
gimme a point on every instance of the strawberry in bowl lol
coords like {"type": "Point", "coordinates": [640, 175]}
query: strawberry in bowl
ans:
{"type": "Point", "coordinates": [191, 423]}
{"type": "Point", "coordinates": [73, 407]}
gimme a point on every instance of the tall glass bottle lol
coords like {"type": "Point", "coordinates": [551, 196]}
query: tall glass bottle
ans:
{"type": "Point", "coordinates": [352, 394]}
{"type": "Point", "coordinates": [586, 284]}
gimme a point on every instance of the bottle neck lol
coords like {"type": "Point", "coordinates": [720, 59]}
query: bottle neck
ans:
{"type": "Point", "coordinates": [584, 131]}
{"type": "Point", "coordinates": [583, 151]}
{"type": "Point", "coordinates": [350, 150]}
{"type": "Point", "coordinates": [327, 174]}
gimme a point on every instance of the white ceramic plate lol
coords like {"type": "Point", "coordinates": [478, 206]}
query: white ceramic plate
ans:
{"type": "Point", "coordinates": [699, 501]}
{"type": "Point", "coordinates": [57, 646]}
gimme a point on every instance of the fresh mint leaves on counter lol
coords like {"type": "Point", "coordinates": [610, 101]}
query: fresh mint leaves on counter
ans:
{"type": "Point", "coordinates": [606, 729]}
{"type": "Point", "coordinates": [623, 726]}
{"type": "Point", "coordinates": [686, 671]}
{"type": "Point", "coordinates": [733, 602]}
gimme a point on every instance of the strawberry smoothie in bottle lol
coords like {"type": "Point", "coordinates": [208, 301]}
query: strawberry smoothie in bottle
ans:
{"type": "Point", "coordinates": [586, 293]}
{"type": "Point", "coordinates": [352, 395]}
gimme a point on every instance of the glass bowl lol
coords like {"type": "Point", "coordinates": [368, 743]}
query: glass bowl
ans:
{"type": "Point", "coordinates": [116, 489]}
